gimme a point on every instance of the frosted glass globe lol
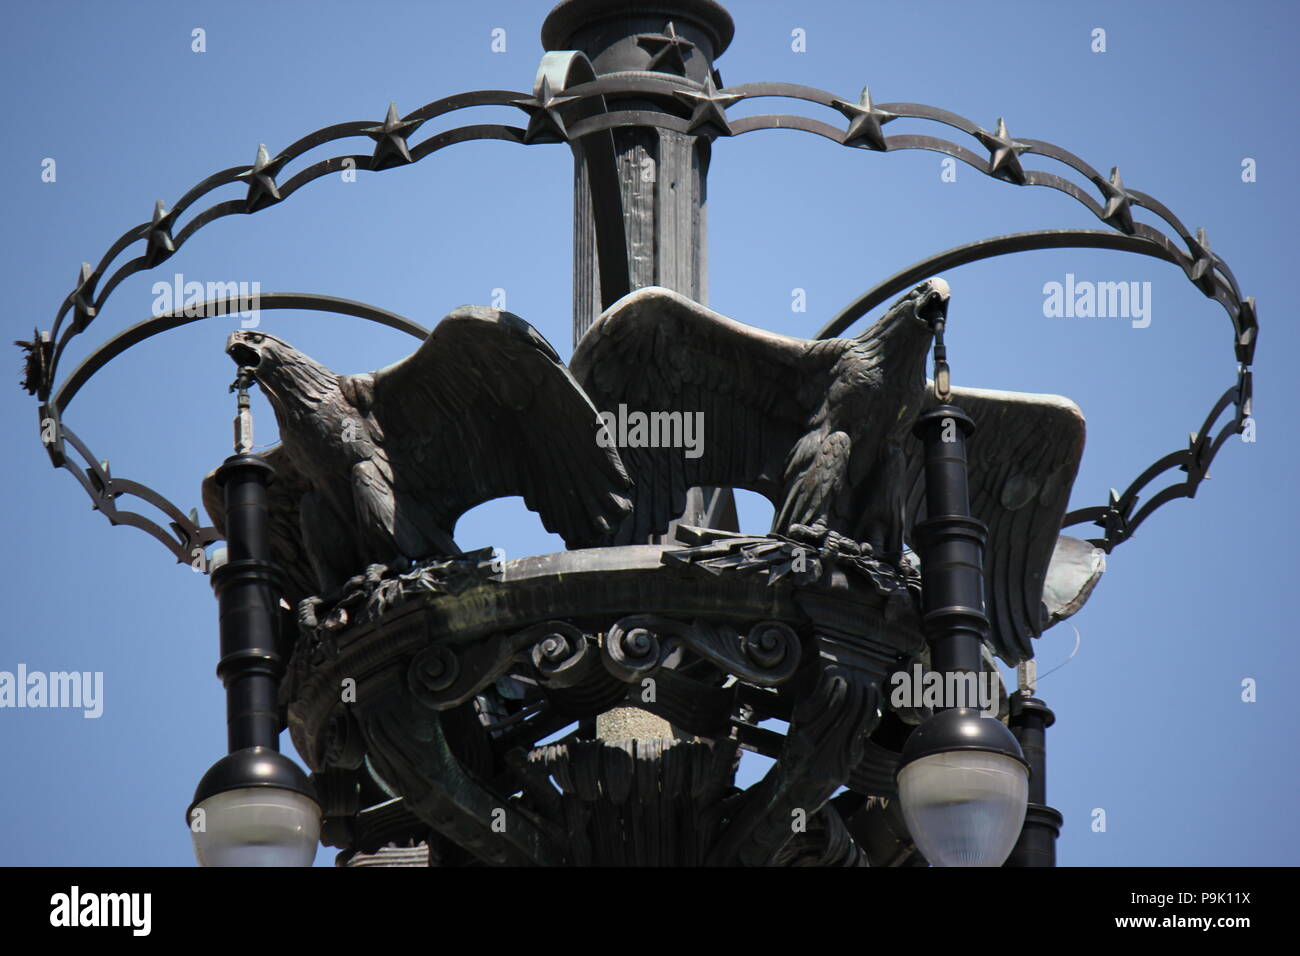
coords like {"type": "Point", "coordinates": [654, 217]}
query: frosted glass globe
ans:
{"type": "Point", "coordinates": [256, 826]}
{"type": "Point", "coordinates": [964, 807]}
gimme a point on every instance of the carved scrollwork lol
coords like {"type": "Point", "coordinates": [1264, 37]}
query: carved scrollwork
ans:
{"type": "Point", "coordinates": [445, 675]}
{"type": "Point", "coordinates": [431, 672]}
{"type": "Point", "coordinates": [773, 646]}
{"type": "Point", "coordinates": [768, 655]}
{"type": "Point", "coordinates": [564, 656]}
{"type": "Point", "coordinates": [344, 746]}
{"type": "Point", "coordinates": [640, 644]}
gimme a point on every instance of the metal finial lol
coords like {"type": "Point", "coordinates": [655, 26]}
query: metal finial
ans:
{"type": "Point", "coordinates": [1027, 677]}
{"type": "Point", "coordinates": [942, 377]}
{"type": "Point", "coordinates": [244, 413]}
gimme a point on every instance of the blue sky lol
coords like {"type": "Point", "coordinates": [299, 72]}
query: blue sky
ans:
{"type": "Point", "coordinates": [1151, 725]}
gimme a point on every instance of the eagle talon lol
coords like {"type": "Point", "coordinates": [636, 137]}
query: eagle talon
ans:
{"type": "Point", "coordinates": [839, 544]}
{"type": "Point", "coordinates": [814, 535]}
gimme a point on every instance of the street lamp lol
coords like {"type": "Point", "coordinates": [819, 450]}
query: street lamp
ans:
{"type": "Point", "coordinates": [255, 806]}
{"type": "Point", "coordinates": [962, 780]}
{"type": "Point", "coordinates": [963, 786]}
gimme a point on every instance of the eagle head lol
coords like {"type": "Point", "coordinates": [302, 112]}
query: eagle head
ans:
{"type": "Point", "coordinates": [246, 348]}
{"type": "Point", "coordinates": [290, 379]}
{"type": "Point", "coordinates": [905, 332]}
{"type": "Point", "coordinates": [914, 317]}
{"type": "Point", "coordinates": [926, 304]}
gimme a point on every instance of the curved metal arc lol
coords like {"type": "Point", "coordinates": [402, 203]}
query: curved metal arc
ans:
{"type": "Point", "coordinates": [987, 249]}
{"type": "Point", "coordinates": [218, 307]}
{"type": "Point", "coordinates": [789, 91]}
{"type": "Point", "coordinates": [104, 490]}
{"type": "Point", "coordinates": [930, 113]}
{"type": "Point", "coordinates": [460, 101]}
{"type": "Point", "coordinates": [1041, 147]}
{"type": "Point", "coordinates": [750, 124]}
{"type": "Point", "coordinates": [232, 174]}
{"type": "Point", "coordinates": [1120, 521]}
{"type": "Point", "coordinates": [465, 134]}
{"type": "Point", "coordinates": [1221, 284]}
{"type": "Point", "coordinates": [231, 207]}
{"type": "Point", "coordinates": [238, 206]}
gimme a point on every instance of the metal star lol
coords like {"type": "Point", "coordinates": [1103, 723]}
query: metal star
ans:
{"type": "Point", "coordinates": [864, 122]}
{"type": "Point", "coordinates": [1118, 212]}
{"type": "Point", "coordinates": [1004, 158]}
{"type": "Point", "coordinates": [82, 302]}
{"type": "Point", "coordinates": [1195, 465]}
{"type": "Point", "coordinates": [1249, 325]}
{"type": "Point", "coordinates": [391, 148]}
{"type": "Point", "coordinates": [709, 107]}
{"type": "Point", "coordinates": [262, 190]}
{"type": "Point", "coordinates": [666, 49]}
{"type": "Point", "coordinates": [1202, 270]}
{"type": "Point", "coordinates": [1245, 390]}
{"type": "Point", "coordinates": [159, 237]}
{"type": "Point", "coordinates": [546, 124]}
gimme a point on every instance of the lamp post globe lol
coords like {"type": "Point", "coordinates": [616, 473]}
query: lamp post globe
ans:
{"type": "Point", "coordinates": [963, 785]}
{"type": "Point", "coordinates": [254, 807]}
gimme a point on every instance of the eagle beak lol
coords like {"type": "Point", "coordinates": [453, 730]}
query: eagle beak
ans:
{"type": "Point", "coordinates": [245, 355]}
{"type": "Point", "coordinates": [933, 307]}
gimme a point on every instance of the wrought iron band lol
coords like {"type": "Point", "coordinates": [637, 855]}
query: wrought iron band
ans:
{"type": "Point", "coordinates": [693, 110]}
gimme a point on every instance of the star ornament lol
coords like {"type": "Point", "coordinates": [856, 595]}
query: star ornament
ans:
{"type": "Point", "coordinates": [1004, 153]}
{"type": "Point", "coordinates": [1118, 212]}
{"type": "Point", "coordinates": [262, 190]}
{"type": "Point", "coordinates": [864, 122]}
{"type": "Point", "coordinates": [546, 123]}
{"type": "Point", "coordinates": [159, 237]}
{"type": "Point", "coordinates": [83, 307]}
{"type": "Point", "coordinates": [391, 148]}
{"type": "Point", "coordinates": [668, 50]}
{"type": "Point", "coordinates": [709, 108]}
{"type": "Point", "coordinates": [1202, 270]}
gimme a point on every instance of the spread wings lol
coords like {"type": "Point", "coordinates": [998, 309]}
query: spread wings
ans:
{"type": "Point", "coordinates": [482, 409]}
{"type": "Point", "coordinates": [1023, 457]}
{"type": "Point", "coordinates": [758, 390]}
{"type": "Point", "coordinates": [657, 351]}
{"type": "Point", "coordinates": [485, 409]}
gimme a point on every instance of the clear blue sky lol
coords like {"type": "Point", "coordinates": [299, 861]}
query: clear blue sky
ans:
{"type": "Point", "coordinates": [1151, 727]}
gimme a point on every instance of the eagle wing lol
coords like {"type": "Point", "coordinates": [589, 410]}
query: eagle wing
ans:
{"type": "Point", "coordinates": [1023, 458]}
{"type": "Point", "coordinates": [284, 498]}
{"type": "Point", "coordinates": [485, 409]}
{"type": "Point", "coordinates": [657, 351]}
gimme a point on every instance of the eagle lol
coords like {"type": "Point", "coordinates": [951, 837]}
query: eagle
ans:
{"type": "Point", "coordinates": [822, 429]}
{"type": "Point", "coordinates": [377, 467]}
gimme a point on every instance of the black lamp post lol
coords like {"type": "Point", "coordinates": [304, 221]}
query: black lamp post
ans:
{"type": "Point", "coordinates": [962, 778]}
{"type": "Point", "coordinates": [1030, 718]}
{"type": "Point", "coordinates": [255, 806]}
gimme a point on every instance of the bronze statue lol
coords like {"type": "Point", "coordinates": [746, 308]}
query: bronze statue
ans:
{"type": "Point", "coordinates": [822, 428]}
{"type": "Point", "coordinates": [377, 467]}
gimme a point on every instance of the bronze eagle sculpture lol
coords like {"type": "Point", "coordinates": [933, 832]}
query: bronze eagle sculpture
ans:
{"type": "Point", "coordinates": [378, 467]}
{"type": "Point", "coordinates": [822, 429]}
